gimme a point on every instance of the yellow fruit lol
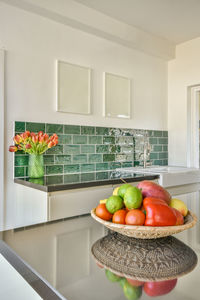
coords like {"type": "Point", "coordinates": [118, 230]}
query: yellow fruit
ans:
{"type": "Point", "coordinates": [115, 192]}
{"type": "Point", "coordinates": [102, 201]}
{"type": "Point", "coordinates": [179, 205]}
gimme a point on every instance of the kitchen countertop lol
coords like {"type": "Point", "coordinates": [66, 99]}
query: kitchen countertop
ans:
{"type": "Point", "coordinates": [60, 252]}
{"type": "Point", "coordinates": [53, 183]}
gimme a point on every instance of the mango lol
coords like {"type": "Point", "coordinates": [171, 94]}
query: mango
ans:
{"type": "Point", "coordinates": [179, 205]}
{"type": "Point", "coordinates": [152, 189]}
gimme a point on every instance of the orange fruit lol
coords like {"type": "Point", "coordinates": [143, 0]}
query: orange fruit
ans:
{"type": "Point", "coordinates": [135, 282]}
{"type": "Point", "coordinates": [103, 213]}
{"type": "Point", "coordinates": [119, 216]}
{"type": "Point", "coordinates": [135, 217]}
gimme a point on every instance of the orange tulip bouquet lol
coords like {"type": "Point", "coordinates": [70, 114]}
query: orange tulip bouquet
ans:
{"type": "Point", "coordinates": [34, 144]}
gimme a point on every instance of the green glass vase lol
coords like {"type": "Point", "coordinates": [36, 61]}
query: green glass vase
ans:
{"type": "Point", "coordinates": [36, 166]}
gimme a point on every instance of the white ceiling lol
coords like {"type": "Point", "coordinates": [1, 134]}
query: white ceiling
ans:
{"type": "Point", "coordinates": [175, 20]}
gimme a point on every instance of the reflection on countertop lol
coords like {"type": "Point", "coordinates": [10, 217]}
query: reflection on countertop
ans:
{"type": "Point", "coordinates": [60, 252]}
{"type": "Point", "coordinates": [55, 183]}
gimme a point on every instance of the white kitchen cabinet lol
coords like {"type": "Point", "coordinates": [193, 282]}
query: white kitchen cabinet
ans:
{"type": "Point", "coordinates": [68, 203]}
{"type": "Point", "coordinates": [34, 206]}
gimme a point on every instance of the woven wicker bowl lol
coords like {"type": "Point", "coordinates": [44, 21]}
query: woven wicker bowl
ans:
{"type": "Point", "coordinates": [148, 232]}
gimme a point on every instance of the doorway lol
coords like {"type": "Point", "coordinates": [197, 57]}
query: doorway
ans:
{"type": "Point", "coordinates": [1, 138]}
{"type": "Point", "coordinates": [193, 122]}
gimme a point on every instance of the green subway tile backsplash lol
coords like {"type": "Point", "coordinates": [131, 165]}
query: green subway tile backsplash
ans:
{"type": "Point", "coordinates": [87, 177]}
{"type": "Point", "coordinates": [54, 179]}
{"type": "Point", "coordinates": [101, 175]}
{"type": "Point", "coordinates": [71, 149]}
{"type": "Point", "coordinates": [114, 165]}
{"type": "Point", "coordinates": [87, 167]}
{"type": "Point", "coordinates": [95, 140]}
{"type": "Point", "coordinates": [72, 129]}
{"type": "Point", "coordinates": [80, 158]}
{"type": "Point", "coordinates": [54, 128]}
{"type": "Point", "coordinates": [89, 130]}
{"type": "Point", "coordinates": [108, 157]}
{"type": "Point", "coordinates": [87, 149]}
{"type": "Point", "coordinates": [108, 140]}
{"type": "Point", "coordinates": [19, 171]}
{"type": "Point", "coordinates": [102, 166]}
{"type": "Point", "coordinates": [84, 149]}
{"type": "Point", "coordinates": [72, 168]}
{"type": "Point", "coordinates": [21, 160]}
{"type": "Point", "coordinates": [56, 169]}
{"type": "Point", "coordinates": [19, 126]}
{"type": "Point", "coordinates": [102, 149]}
{"type": "Point", "coordinates": [56, 150]}
{"type": "Point", "coordinates": [65, 139]}
{"type": "Point", "coordinates": [35, 127]}
{"type": "Point", "coordinates": [157, 148]}
{"type": "Point", "coordinates": [102, 130]}
{"type": "Point", "coordinates": [62, 159]}
{"type": "Point", "coordinates": [48, 159]}
{"type": "Point", "coordinates": [80, 139]}
{"type": "Point", "coordinates": [95, 158]}
{"type": "Point", "coordinates": [72, 178]}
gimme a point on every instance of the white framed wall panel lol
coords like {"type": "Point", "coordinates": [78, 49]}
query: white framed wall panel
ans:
{"type": "Point", "coordinates": [73, 88]}
{"type": "Point", "coordinates": [117, 96]}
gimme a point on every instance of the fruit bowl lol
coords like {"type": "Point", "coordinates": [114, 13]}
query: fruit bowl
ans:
{"type": "Point", "coordinates": [147, 232]}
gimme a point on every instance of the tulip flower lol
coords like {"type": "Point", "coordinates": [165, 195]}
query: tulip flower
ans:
{"type": "Point", "coordinates": [17, 139]}
{"type": "Point", "coordinates": [33, 143]}
{"type": "Point", "coordinates": [41, 139]}
{"type": "Point", "coordinates": [40, 133]}
{"type": "Point", "coordinates": [13, 148]}
{"type": "Point", "coordinates": [46, 137]}
{"type": "Point", "coordinates": [28, 146]}
{"type": "Point", "coordinates": [35, 138]}
{"type": "Point", "coordinates": [50, 144]}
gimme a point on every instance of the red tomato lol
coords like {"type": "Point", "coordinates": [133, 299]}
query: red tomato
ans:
{"type": "Point", "coordinates": [135, 282]}
{"type": "Point", "coordinates": [159, 288]}
{"type": "Point", "coordinates": [99, 265]}
{"type": "Point", "coordinates": [119, 216]}
{"type": "Point", "coordinates": [103, 213]}
{"type": "Point", "coordinates": [135, 217]}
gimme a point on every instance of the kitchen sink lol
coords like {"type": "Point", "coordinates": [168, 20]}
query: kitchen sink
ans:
{"type": "Point", "coordinates": [169, 175]}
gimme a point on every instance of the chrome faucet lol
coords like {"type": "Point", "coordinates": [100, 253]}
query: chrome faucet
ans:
{"type": "Point", "coordinates": [146, 152]}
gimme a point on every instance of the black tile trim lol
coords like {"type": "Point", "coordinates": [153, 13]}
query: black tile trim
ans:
{"type": "Point", "coordinates": [62, 187]}
{"type": "Point", "coordinates": [41, 287]}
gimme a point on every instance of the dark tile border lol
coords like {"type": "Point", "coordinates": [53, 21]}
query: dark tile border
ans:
{"type": "Point", "coordinates": [37, 283]}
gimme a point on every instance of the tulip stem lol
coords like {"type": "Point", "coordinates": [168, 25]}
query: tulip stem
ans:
{"type": "Point", "coordinates": [124, 181]}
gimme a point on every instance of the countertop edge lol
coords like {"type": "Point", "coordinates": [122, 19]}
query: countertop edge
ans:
{"type": "Point", "coordinates": [62, 187]}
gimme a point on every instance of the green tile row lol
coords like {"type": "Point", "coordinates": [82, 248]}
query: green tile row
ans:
{"type": "Point", "coordinates": [83, 130]}
{"type": "Point", "coordinates": [75, 169]}
{"type": "Point", "coordinates": [87, 148]}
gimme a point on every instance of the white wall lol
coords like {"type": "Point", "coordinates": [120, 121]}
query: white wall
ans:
{"type": "Point", "coordinates": [33, 44]}
{"type": "Point", "coordinates": [183, 71]}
